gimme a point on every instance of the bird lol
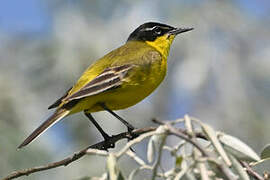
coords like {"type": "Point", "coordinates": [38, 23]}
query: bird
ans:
{"type": "Point", "coordinates": [118, 80]}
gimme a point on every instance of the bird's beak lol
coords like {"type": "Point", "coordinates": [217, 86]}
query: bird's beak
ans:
{"type": "Point", "coordinates": [179, 31]}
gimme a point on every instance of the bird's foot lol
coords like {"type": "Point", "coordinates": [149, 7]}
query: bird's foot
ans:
{"type": "Point", "coordinates": [107, 142]}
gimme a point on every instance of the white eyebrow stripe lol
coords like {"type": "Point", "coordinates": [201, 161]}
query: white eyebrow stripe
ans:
{"type": "Point", "coordinates": [149, 29]}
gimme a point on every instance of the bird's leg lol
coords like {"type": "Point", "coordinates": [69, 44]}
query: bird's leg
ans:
{"type": "Point", "coordinates": [129, 126]}
{"type": "Point", "coordinates": [102, 132]}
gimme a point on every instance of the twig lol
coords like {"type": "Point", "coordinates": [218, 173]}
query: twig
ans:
{"type": "Point", "coordinates": [103, 145]}
{"type": "Point", "coordinates": [184, 131]}
{"type": "Point", "coordinates": [64, 162]}
{"type": "Point", "coordinates": [189, 136]}
{"type": "Point", "coordinates": [183, 134]}
{"type": "Point", "coordinates": [251, 172]}
{"type": "Point", "coordinates": [132, 155]}
{"type": "Point", "coordinates": [197, 154]}
{"type": "Point", "coordinates": [180, 134]}
{"type": "Point", "coordinates": [134, 141]}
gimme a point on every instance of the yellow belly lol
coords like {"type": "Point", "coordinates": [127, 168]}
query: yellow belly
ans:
{"type": "Point", "coordinates": [141, 83]}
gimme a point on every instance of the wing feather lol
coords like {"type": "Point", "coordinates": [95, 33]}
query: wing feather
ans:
{"type": "Point", "coordinates": [108, 79]}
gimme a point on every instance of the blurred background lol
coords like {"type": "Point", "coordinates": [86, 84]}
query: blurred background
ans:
{"type": "Point", "coordinates": [219, 73]}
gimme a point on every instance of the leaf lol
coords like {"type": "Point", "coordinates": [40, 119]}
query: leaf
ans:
{"type": "Point", "coordinates": [214, 168]}
{"type": "Point", "coordinates": [151, 150]}
{"type": "Point", "coordinates": [120, 176]}
{"type": "Point", "coordinates": [133, 174]}
{"type": "Point", "coordinates": [178, 162]}
{"type": "Point", "coordinates": [203, 170]}
{"type": "Point", "coordinates": [189, 175]}
{"type": "Point", "coordinates": [238, 167]}
{"type": "Point", "coordinates": [155, 142]}
{"type": "Point", "coordinates": [160, 136]}
{"type": "Point", "coordinates": [213, 138]}
{"type": "Point", "coordinates": [238, 148]}
{"type": "Point", "coordinates": [266, 152]}
{"type": "Point", "coordinates": [183, 171]}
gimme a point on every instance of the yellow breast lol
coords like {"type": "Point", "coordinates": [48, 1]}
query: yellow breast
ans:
{"type": "Point", "coordinates": [150, 62]}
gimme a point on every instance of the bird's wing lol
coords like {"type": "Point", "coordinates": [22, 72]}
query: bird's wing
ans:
{"type": "Point", "coordinates": [110, 78]}
{"type": "Point", "coordinates": [96, 79]}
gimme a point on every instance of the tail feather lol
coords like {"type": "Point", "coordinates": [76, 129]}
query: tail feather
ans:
{"type": "Point", "coordinates": [57, 116]}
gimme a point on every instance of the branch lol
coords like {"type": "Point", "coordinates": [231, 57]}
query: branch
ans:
{"type": "Point", "coordinates": [96, 149]}
{"type": "Point", "coordinates": [182, 135]}
{"type": "Point", "coordinates": [185, 135]}
{"type": "Point", "coordinates": [136, 136]}
{"type": "Point", "coordinates": [184, 131]}
{"type": "Point", "coordinates": [251, 172]}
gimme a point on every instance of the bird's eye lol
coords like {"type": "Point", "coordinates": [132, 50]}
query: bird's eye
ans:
{"type": "Point", "coordinates": [157, 30]}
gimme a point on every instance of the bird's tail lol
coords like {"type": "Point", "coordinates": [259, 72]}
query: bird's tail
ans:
{"type": "Point", "coordinates": [57, 116]}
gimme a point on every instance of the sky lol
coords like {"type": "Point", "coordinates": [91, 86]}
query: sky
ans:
{"type": "Point", "coordinates": [32, 16]}
{"type": "Point", "coordinates": [23, 17]}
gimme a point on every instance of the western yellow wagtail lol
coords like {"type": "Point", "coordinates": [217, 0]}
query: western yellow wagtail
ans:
{"type": "Point", "coordinates": [120, 79]}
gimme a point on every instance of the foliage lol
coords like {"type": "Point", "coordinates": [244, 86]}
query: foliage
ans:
{"type": "Point", "coordinates": [201, 153]}
{"type": "Point", "coordinates": [198, 152]}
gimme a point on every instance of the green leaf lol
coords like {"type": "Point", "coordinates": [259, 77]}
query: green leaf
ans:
{"type": "Point", "coordinates": [120, 176]}
{"type": "Point", "coordinates": [183, 170]}
{"type": "Point", "coordinates": [266, 152]}
{"type": "Point", "coordinates": [178, 161]}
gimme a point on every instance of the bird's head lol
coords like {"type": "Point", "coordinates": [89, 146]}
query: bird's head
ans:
{"type": "Point", "coordinates": [156, 34]}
